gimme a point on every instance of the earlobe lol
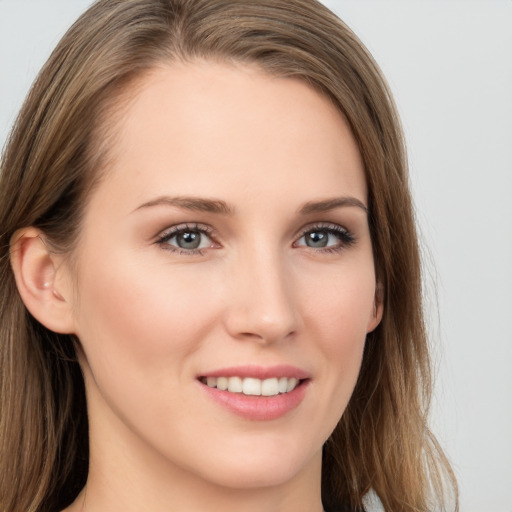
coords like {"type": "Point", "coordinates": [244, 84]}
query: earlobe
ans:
{"type": "Point", "coordinates": [37, 273]}
{"type": "Point", "coordinates": [377, 310]}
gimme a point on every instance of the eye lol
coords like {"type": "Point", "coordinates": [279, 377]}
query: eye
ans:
{"type": "Point", "coordinates": [327, 237]}
{"type": "Point", "coordinates": [186, 239]}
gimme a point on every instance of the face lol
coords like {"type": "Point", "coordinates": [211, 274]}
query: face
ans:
{"type": "Point", "coordinates": [225, 281]}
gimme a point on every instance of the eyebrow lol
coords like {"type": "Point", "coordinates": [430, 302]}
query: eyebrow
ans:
{"type": "Point", "coordinates": [331, 204]}
{"type": "Point", "coordinates": [191, 203]}
{"type": "Point", "coordinates": [222, 208]}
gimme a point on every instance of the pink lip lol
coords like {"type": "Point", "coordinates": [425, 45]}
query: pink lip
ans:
{"type": "Point", "coordinates": [259, 372]}
{"type": "Point", "coordinates": [259, 408]}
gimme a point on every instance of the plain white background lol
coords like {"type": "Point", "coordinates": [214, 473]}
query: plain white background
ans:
{"type": "Point", "coordinates": [449, 64]}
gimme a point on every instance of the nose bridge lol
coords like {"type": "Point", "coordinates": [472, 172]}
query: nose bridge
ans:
{"type": "Point", "coordinates": [262, 300]}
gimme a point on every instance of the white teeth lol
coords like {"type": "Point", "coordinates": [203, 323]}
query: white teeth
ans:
{"type": "Point", "coordinates": [235, 385]}
{"type": "Point", "coordinates": [222, 383]}
{"type": "Point", "coordinates": [270, 387]}
{"type": "Point", "coordinates": [252, 386]}
{"type": "Point", "coordinates": [292, 383]}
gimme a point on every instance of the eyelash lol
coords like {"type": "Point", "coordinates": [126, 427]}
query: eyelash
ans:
{"type": "Point", "coordinates": [345, 237]}
{"type": "Point", "coordinates": [163, 239]}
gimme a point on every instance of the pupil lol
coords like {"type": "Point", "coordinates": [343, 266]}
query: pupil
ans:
{"type": "Point", "coordinates": [317, 239]}
{"type": "Point", "coordinates": [189, 240]}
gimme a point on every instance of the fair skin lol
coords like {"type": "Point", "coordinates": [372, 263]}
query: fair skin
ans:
{"type": "Point", "coordinates": [228, 238]}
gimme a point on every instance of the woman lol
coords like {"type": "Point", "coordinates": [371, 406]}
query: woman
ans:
{"type": "Point", "coordinates": [212, 292]}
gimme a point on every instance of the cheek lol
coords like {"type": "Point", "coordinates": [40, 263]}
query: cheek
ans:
{"type": "Point", "coordinates": [343, 346]}
{"type": "Point", "coordinates": [340, 313]}
{"type": "Point", "coordinates": [341, 302]}
{"type": "Point", "coordinates": [138, 334]}
{"type": "Point", "coordinates": [134, 315]}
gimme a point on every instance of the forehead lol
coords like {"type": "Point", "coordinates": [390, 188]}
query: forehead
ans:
{"type": "Point", "coordinates": [220, 126]}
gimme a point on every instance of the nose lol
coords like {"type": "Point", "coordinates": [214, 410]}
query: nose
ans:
{"type": "Point", "coordinates": [261, 304]}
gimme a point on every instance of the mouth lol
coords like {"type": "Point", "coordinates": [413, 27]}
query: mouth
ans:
{"type": "Point", "coordinates": [251, 386]}
{"type": "Point", "coordinates": [257, 393]}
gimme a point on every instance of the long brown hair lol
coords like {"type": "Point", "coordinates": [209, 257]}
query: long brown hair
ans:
{"type": "Point", "coordinates": [54, 156]}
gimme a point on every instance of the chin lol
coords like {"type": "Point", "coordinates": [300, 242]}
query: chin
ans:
{"type": "Point", "coordinates": [259, 468]}
{"type": "Point", "coordinates": [247, 477]}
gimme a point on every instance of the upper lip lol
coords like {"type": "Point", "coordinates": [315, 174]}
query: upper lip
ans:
{"type": "Point", "coordinates": [259, 372]}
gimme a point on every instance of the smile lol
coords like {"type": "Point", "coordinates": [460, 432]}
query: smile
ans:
{"type": "Point", "coordinates": [257, 393]}
{"type": "Point", "coordinates": [252, 386]}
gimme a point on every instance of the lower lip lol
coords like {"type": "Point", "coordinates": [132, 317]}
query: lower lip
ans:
{"type": "Point", "coordinates": [259, 408]}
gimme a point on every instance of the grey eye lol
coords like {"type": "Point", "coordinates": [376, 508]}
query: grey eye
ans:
{"type": "Point", "coordinates": [331, 237]}
{"type": "Point", "coordinates": [188, 239]}
{"type": "Point", "coordinates": [316, 239]}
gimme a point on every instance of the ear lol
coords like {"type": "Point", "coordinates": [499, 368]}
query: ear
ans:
{"type": "Point", "coordinates": [378, 308]}
{"type": "Point", "coordinates": [41, 282]}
